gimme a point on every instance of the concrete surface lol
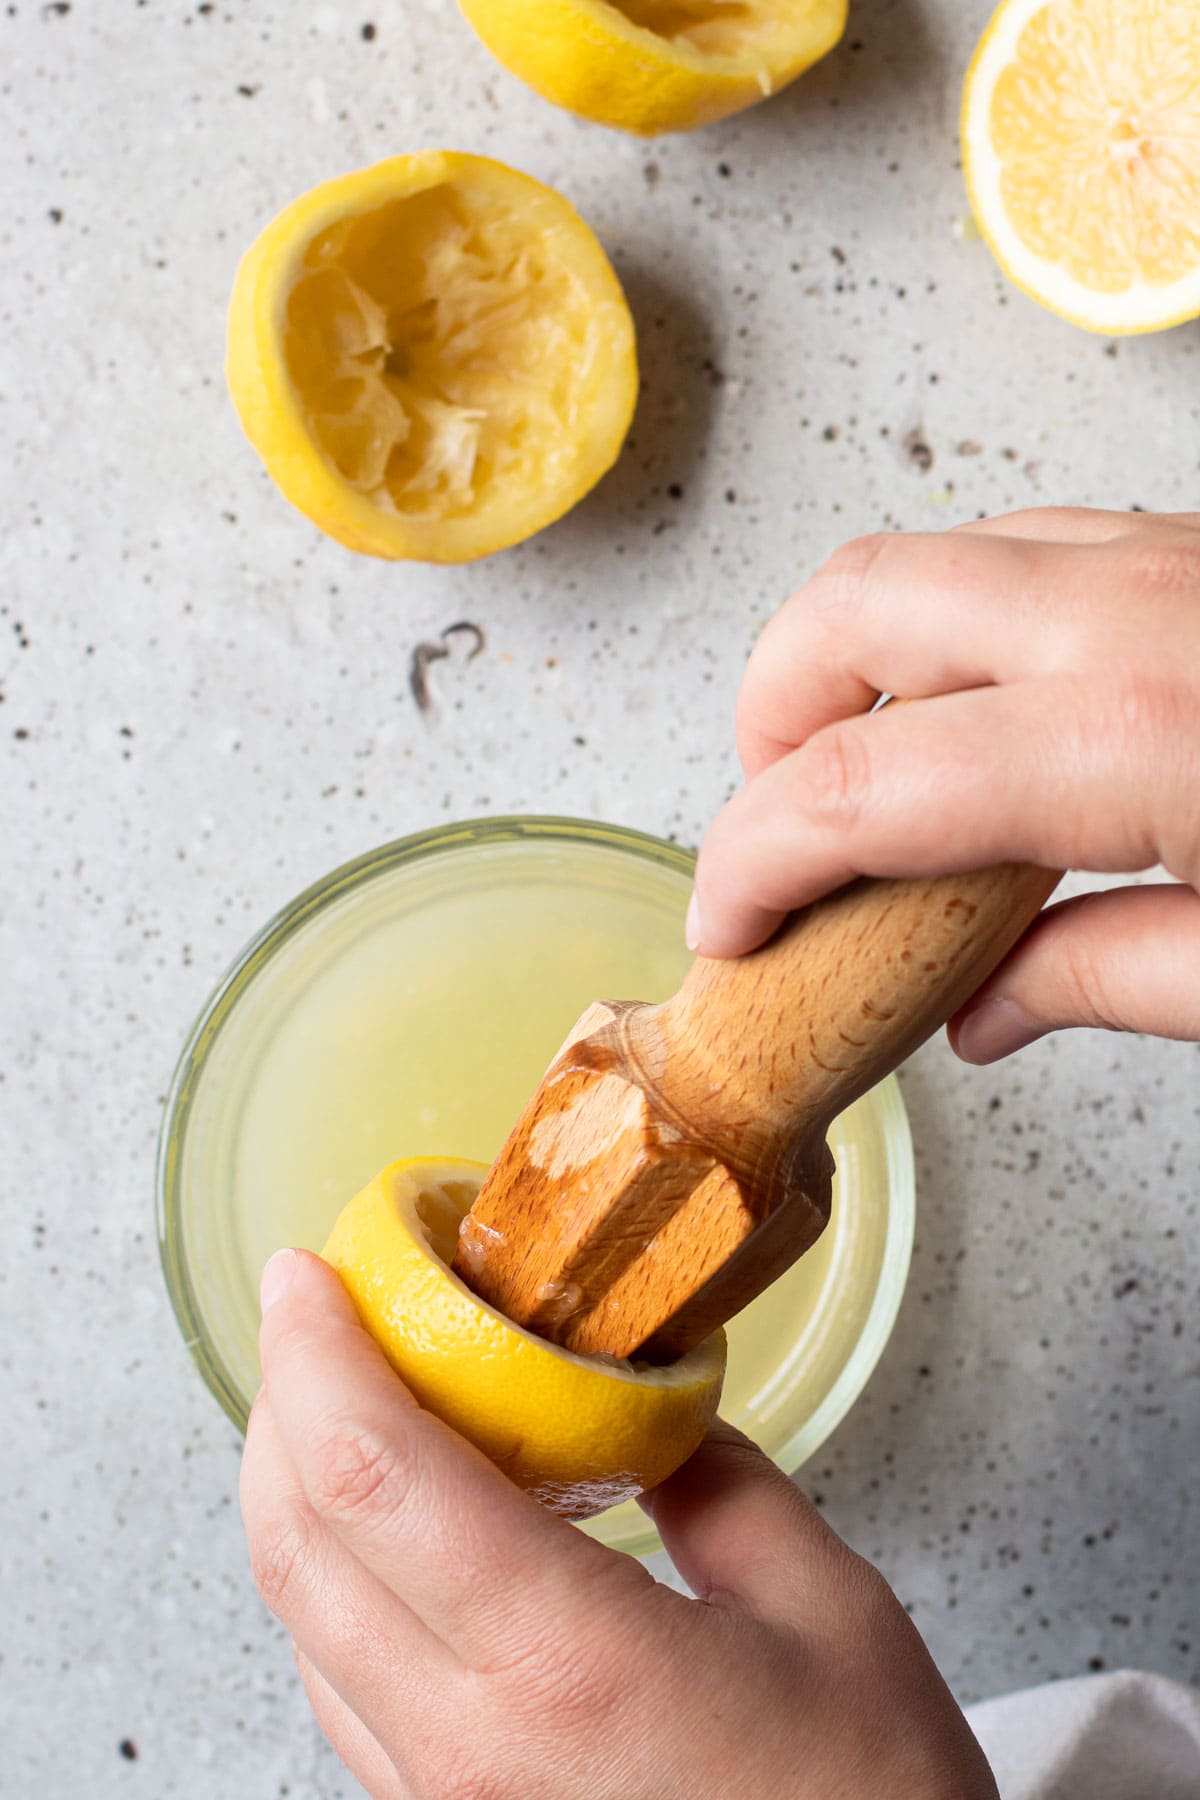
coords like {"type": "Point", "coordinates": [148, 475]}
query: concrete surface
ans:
{"type": "Point", "coordinates": [205, 706]}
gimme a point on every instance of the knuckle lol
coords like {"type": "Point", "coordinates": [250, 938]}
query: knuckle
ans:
{"type": "Point", "coordinates": [843, 579]}
{"type": "Point", "coordinates": [868, 1607]}
{"type": "Point", "coordinates": [581, 1692]}
{"type": "Point", "coordinates": [1145, 712]}
{"type": "Point", "coordinates": [837, 775]}
{"type": "Point", "coordinates": [990, 574]}
{"type": "Point", "coordinates": [552, 1677]}
{"type": "Point", "coordinates": [500, 1771]}
{"type": "Point", "coordinates": [1168, 567]}
{"type": "Point", "coordinates": [281, 1558]}
{"type": "Point", "coordinates": [463, 1780]}
{"type": "Point", "coordinates": [873, 1593]}
{"type": "Point", "coordinates": [1046, 522]}
{"type": "Point", "coordinates": [351, 1471]}
{"type": "Point", "coordinates": [1087, 984]}
{"type": "Point", "coordinates": [581, 1706]}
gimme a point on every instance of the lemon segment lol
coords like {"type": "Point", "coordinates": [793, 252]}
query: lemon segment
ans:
{"type": "Point", "coordinates": [649, 66]}
{"type": "Point", "coordinates": [433, 357]}
{"type": "Point", "coordinates": [580, 1433]}
{"type": "Point", "coordinates": [1081, 149]}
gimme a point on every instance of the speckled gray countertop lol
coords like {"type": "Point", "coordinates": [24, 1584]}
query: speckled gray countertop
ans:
{"type": "Point", "coordinates": [205, 706]}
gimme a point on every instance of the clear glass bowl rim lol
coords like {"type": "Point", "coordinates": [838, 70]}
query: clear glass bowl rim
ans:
{"type": "Point", "coordinates": [438, 841]}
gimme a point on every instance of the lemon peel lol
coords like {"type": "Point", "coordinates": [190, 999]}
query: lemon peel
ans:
{"type": "Point", "coordinates": [432, 356]}
{"type": "Point", "coordinates": [580, 1433]}
{"type": "Point", "coordinates": [1081, 151]}
{"type": "Point", "coordinates": [650, 66]}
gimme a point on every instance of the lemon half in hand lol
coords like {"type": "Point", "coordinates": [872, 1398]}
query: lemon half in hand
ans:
{"type": "Point", "coordinates": [580, 1433]}
{"type": "Point", "coordinates": [1081, 148]}
{"type": "Point", "coordinates": [433, 356]}
{"type": "Point", "coordinates": [657, 65]}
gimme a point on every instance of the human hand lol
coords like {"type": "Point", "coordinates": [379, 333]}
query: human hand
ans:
{"type": "Point", "coordinates": [456, 1640]}
{"type": "Point", "coordinates": [1053, 659]}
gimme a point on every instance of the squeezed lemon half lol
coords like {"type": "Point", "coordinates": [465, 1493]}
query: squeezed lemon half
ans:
{"type": "Point", "coordinates": [580, 1433]}
{"type": "Point", "coordinates": [657, 65]}
{"type": "Point", "coordinates": [1081, 148]}
{"type": "Point", "coordinates": [433, 357]}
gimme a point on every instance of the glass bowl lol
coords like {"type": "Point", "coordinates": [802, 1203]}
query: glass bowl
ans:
{"type": "Point", "coordinates": [407, 1005]}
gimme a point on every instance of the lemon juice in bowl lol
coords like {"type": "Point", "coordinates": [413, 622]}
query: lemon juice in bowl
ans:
{"type": "Point", "coordinates": [407, 1006]}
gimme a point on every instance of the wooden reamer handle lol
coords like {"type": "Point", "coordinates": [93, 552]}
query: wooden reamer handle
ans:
{"type": "Point", "coordinates": [843, 993]}
{"type": "Point", "coordinates": [673, 1161]}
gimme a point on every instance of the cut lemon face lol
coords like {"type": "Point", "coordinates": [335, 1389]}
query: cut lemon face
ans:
{"type": "Point", "coordinates": [1081, 147]}
{"type": "Point", "coordinates": [580, 1433]}
{"type": "Point", "coordinates": [657, 65]}
{"type": "Point", "coordinates": [433, 356]}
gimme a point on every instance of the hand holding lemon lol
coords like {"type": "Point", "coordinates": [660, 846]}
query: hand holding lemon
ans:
{"type": "Point", "coordinates": [456, 1638]}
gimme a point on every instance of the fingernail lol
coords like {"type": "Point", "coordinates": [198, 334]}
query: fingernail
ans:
{"type": "Point", "coordinates": [277, 1277]}
{"type": "Point", "coordinates": [995, 1028]}
{"type": "Point", "coordinates": [691, 925]}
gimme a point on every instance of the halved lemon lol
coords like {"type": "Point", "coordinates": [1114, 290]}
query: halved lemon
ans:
{"type": "Point", "coordinates": [580, 1433]}
{"type": "Point", "coordinates": [433, 356]}
{"type": "Point", "coordinates": [1081, 147]}
{"type": "Point", "coordinates": [657, 65]}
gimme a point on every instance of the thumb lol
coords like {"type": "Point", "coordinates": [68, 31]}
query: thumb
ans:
{"type": "Point", "coordinates": [1126, 960]}
{"type": "Point", "coordinates": [741, 1534]}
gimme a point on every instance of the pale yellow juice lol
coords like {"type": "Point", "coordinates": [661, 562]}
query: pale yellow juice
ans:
{"type": "Point", "coordinates": [415, 1017]}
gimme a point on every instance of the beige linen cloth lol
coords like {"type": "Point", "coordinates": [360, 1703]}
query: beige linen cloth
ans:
{"type": "Point", "coordinates": [1101, 1737]}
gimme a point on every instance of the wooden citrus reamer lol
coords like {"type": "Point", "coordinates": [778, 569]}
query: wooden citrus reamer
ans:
{"type": "Point", "coordinates": [673, 1161]}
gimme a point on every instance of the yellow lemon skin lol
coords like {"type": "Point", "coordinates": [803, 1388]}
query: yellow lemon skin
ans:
{"type": "Point", "coordinates": [651, 66]}
{"type": "Point", "coordinates": [432, 356]}
{"type": "Point", "coordinates": [579, 1433]}
{"type": "Point", "coordinates": [1081, 152]}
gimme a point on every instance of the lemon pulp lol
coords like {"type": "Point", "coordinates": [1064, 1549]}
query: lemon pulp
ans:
{"type": "Point", "coordinates": [432, 356]}
{"type": "Point", "coordinates": [714, 27]}
{"type": "Point", "coordinates": [433, 344]}
{"type": "Point", "coordinates": [1081, 136]}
